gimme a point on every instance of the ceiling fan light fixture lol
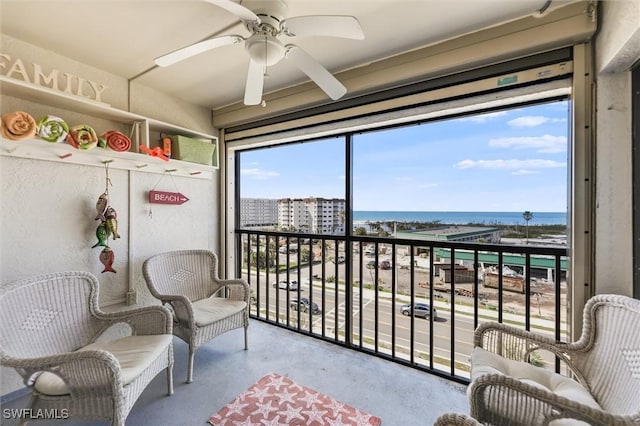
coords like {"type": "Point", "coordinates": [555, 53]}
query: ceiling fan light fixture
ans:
{"type": "Point", "coordinates": [264, 49]}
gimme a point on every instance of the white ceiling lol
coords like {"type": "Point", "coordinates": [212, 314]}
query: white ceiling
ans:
{"type": "Point", "coordinates": [123, 37]}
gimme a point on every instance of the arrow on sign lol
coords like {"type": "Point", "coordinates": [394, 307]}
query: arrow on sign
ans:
{"type": "Point", "coordinates": [164, 197]}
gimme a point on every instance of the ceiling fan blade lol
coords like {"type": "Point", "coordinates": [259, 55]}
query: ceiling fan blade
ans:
{"type": "Point", "coordinates": [323, 25]}
{"type": "Point", "coordinates": [240, 11]}
{"type": "Point", "coordinates": [255, 83]}
{"type": "Point", "coordinates": [195, 49]}
{"type": "Point", "coordinates": [315, 71]}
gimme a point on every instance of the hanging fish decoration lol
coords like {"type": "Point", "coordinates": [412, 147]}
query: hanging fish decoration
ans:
{"type": "Point", "coordinates": [108, 224]}
{"type": "Point", "coordinates": [101, 206]}
{"type": "Point", "coordinates": [112, 222]}
{"type": "Point", "coordinates": [107, 257]}
{"type": "Point", "coordinates": [102, 233]}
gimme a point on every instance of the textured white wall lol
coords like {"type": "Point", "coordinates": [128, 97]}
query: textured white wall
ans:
{"type": "Point", "coordinates": [48, 224]}
{"type": "Point", "coordinates": [617, 48]}
{"type": "Point", "coordinates": [115, 93]}
{"type": "Point", "coordinates": [190, 225]}
{"type": "Point", "coordinates": [618, 42]}
{"type": "Point", "coordinates": [614, 239]}
{"type": "Point", "coordinates": [151, 103]}
{"type": "Point", "coordinates": [47, 209]}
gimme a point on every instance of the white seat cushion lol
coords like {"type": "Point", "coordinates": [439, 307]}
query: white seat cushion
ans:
{"type": "Point", "coordinates": [485, 362]}
{"type": "Point", "coordinates": [134, 354]}
{"type": "Point", "coordinates": [213, 309]}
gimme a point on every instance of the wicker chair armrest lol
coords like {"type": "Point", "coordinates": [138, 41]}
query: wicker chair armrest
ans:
{"type": "Point", "coordinates": [542, 341]}
{"type": "Point", "coordinates": [181, 305]}
{"type": "Point", "coordinates": [84, 372]}
{"type": "Point", "coordinates": [236, 289]}
{"type": "Point", "coordinates": [527, 400]}
{"type": "Point", "coordinates": [515, 343]}
{"type": "Point", "coordinates": [455, 419]}
{"type": "Point", "coordinates": [148, 320]}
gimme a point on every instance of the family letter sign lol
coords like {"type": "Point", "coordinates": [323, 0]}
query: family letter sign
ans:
{"type": "Point", "coordinates": [57, 80]}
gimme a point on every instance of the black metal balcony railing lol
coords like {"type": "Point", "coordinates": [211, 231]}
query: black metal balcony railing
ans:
{"type": "Point", "coordinates": [350, 290]}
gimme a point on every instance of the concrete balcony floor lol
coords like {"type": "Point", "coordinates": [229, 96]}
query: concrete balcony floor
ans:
{"type": "Point", "coordinates": [397, 394]}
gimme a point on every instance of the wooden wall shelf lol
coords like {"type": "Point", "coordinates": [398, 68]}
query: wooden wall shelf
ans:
{"type": "Point", "coordinates": [142, 128]}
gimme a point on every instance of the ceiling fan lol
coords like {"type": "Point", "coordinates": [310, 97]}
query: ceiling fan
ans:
{"type": "Point", "coordinates": [265, 19]}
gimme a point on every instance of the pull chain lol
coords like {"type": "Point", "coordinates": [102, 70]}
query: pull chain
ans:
{"type": "Point", "coordinates": [264, 72]}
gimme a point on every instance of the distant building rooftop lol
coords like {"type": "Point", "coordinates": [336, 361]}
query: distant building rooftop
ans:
{"type": "Point", "coordinates": [453, 233]}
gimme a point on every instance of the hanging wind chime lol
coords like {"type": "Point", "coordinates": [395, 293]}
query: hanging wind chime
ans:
{"type": "Point", "coordinates": [108, 226]}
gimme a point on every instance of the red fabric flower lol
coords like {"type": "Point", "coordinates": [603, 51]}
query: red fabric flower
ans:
{"type": "Point", "coordinates": [117, 141]}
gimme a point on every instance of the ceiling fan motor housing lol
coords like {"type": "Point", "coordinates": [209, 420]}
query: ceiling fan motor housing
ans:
{"type": "Point", "coordinates": [263, 46]}
{"type": "Point", "coordinates": [264, 49]}
{"type": "Point", "coordinates": [270, 12]}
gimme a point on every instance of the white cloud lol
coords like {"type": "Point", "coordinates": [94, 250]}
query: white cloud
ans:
{"type": "Point", "coordinates": [533, 121]}
{"type": "Point", "coordinates": [528, 121]}
{"type": "Point", "coordinates": [522, 172]}
{"type": "Point", "coordinates": [258, 174]}
{"type": "Point", "coordinates": [483, 118]}
{"type": "Point", "coordinates": [546, 144]}
{"type": "Point", "coordinates": [531, 164]}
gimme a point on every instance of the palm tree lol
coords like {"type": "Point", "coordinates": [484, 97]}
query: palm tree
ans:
{"type": "Point", "coordinates": [527, 216]}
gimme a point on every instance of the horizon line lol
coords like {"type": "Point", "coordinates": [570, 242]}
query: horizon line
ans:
{"type": "Point", "coordinates": [460, 211]}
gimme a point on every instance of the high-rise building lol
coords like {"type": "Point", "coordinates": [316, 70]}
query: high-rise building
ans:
{"type": "Point", "coordinates": [313, 215]}
{"type": "Point", "coordinates": [258, 212]}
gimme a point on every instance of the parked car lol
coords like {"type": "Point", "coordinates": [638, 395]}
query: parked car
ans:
{"type": "Point", "coordinates": [291, 285]}
{"type": "Point", "coordinates": [290, 249]}
{"type": "Point", "coordinates": [371, 264]}
{"type": "Point", "coordinates": [421, 310]}
{"type": "Point", "coordinates": [385, 264]}
{"type": "Point", "coordinates": [339, 259]}
{"type": "Point", "coordinates": [303, 305]}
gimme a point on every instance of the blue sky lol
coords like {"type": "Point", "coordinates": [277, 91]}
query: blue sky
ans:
{"type": "Point", "coordinates": [511, 160]}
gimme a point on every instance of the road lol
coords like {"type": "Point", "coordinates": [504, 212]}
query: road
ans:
{"type": "Point", "coordinates": [274, 303]}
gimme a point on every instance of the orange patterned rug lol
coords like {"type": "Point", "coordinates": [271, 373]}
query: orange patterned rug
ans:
{"type": "Point", "coordinates": [276, 400]}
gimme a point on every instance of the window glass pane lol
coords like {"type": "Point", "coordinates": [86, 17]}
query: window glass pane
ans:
{"type": "Point", "coordinates": [484, 169]}
{"type": "Point", "coordinates": [297, 187]}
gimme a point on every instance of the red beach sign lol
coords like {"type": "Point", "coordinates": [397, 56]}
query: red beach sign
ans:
{"type": "Point", "coordinates": [164, 197]}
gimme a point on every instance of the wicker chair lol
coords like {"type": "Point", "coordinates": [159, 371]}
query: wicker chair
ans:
{"type": "Point", "coordinates": [605, 362]}
{"type": "Point", "coordinates": [53, 335]}
{"type": "Point", "coordinates": [455, 419]}
{"type": "Point", "coordinates": [204, 306]}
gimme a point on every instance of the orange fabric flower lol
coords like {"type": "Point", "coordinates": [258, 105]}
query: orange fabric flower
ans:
{"type": "Point", "coordinates": [18, 125]}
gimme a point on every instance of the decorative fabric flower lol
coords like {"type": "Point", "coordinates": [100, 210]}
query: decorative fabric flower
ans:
{"type": "Point", "coordinates": [52, 129]}
{"type": "Point", "coordinates": [82, 136]}
{"type": "Point", "coordinates": [117, 141]}
{"type": "Point", "coordinates": [18, 125]}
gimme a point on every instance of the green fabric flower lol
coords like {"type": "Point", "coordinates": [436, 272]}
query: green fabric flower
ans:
{"type": "Point", "coordinates": [52, 129]}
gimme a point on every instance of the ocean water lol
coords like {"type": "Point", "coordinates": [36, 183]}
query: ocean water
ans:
{"type": "Point", "coordinates": [460, 218]}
